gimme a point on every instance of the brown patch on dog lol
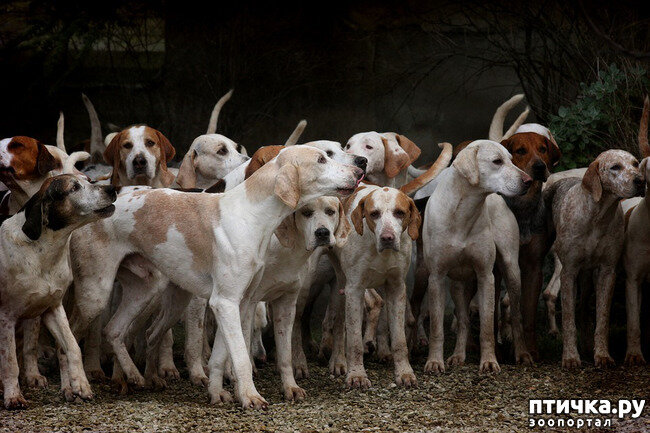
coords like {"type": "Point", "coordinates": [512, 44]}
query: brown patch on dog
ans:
{"type": "Point", "coordinates": [412, 218]}
{"type": "Point", "coordinates": [394, 162]}
{"type": "Point", "coordinates": [347, 201]}
{"type": "Point", "coordinates": [530, 148]}
{"type": "Point", "coordinates": [30, 159]}
{"type": "Point", "coordinates": [591, 181]}
{"type": "Point", "coordinates": [163, 210]}
{"type": "Point", "coordinates": [261, 157]}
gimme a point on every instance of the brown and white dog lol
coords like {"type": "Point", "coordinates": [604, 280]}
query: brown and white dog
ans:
{"type": "Point", "coordinates": [35, 274]}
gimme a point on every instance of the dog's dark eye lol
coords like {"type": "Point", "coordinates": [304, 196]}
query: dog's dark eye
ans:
{"type": "Point", "coordinates": [375, 214]}
{"type": "Point", "coordinates": [127, 145]}
{"type": "Point", "coordinates": [635, 164]}
{"type": "Point", "coordinates": [14, 145]}
{"type": "Point", "coordinates": [615, 167]}
{"type": "Point", "coordinates": [329, 153]}
{"type": "Point", "coordinates": [368, 147]}
{"type": "Point", "coordinates": [498, 161]}
{"type": "Point", "coordinates": [149, 143]}
{"type": "Point", "coordinates": [307, 213]}
{"type": "Point", "coordinates": [399, 214]}
{"type": "Point", "coordinates": [75, 187]}
{"type": "Point", "coordinates": [329, 211]}
{"type": "Point", "coordinates": [223, 151]}
{"type": "Point", "coordinates": [521, 151]}
{"type": "Point", "coordinates": [542, 150]}
{"type": "Point", "coordinates": [347, 146]}
{"type": "Point", "coordinates": [321, 160]}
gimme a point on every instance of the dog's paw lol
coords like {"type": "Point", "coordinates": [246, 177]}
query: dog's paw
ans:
{"type": "Point", "coordinates": [199, 379]}
{"type": "Point", "coordinates": [35, 380]}
{"type": "Point", "coordinates": [79, 387]}
{"type": "Point", "coordinates": [524, 358]}
{"type": "Point", "coordinates": [294, 393]}
{"type": "Point", "coordinates": [407, 380]}
{"type": "Point", "coordinates": [357, 380]}
{"type": "Point", "coordinates": [220, 397]}
{"type": "Point", "coordinates": [96, 376]}
{"type": "Point", "coordinates": [338, 367]}
{"type": "Point", "coordinates": [15, 402]}
{"type": "Point", "coordinates": [434, 366]}
{"type": "Point", "coordinates": [456, 360]}
{"type": "Point", "coordinates": [300, 371]}
{"type": "Point", "coordinates": [156, 383]}
{"type": "Point", "coordinates": [169, 372]}
{"type": "Point", "coordinates": [489, 366]}
{"type": "Point", "coordinates": [253, 400]}
{"type": "Point", "coordinates": [119, 385]}
{"type": "Point", "coordinates": [571, 362]}
{"type": "Point", "coordinates": [604, 361]}
{"type": "Point", "coordinates": [634, 358]}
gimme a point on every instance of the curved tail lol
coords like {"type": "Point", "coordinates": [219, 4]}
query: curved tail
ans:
{"type": "Point", "coordinates": [295, 135]}
{"type": "Point", "coordinates": [644, 147]}
{"type": "Point", "coordinates": [96, 143]}
{"type": "Point", "coordinates": [70, 161]}
{"type": "Point", "coordinates": [441, 163]}
{"type": "Point", "coordinates": [496, 127]}
{"type": "Point", "coordinates": [520, 121]}
{"type": "Point", "coordinates": [212, 125]}
{"type": "Point", "coordinates": [60, 126]}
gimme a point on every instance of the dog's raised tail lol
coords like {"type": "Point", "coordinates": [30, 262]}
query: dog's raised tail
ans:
{"type": "Point", "coordinates": [496, 127]}
{"type": "Point", "coordinates": [70, 161]}
{"type": "Point", "coordinates": [212, 125]}
{"type": "Point", "coordinates": [60, 127]}
{"type": "Point", "coordinates": [295, 135]}
{"type": "Point", "coordinates": [520, 121]}
{"type": "Point", "coordinates": [96, 142]}
{"type": "Point", "coordinates": [644, 147]}
{"type": "Point", "coordinates": [441, 163]}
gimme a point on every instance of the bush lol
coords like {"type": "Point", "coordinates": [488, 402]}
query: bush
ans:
{"type": "Point", "coordinates": [602, 117]}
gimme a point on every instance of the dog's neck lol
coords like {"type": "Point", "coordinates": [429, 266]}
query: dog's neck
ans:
{"type": "Point", "coordinates": [52, 244]}
{"type": "Point", "coordinates": [22, 191]}
{"type": "Point", "coordinates": [598, 211]}
{"type": "Point", "coordinates": [529, 210]}
{"type": "Point", "coordinates": [461, 210]}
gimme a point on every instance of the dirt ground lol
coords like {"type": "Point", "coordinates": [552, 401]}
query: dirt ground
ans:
{"type": "Point", "coordinates": [460, 400]}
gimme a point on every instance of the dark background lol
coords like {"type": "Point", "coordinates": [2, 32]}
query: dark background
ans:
{"type": "Point", "coordinates": [434, 71]}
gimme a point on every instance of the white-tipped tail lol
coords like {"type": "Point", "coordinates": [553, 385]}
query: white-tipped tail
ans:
{"type": "Point", "coordinates": [212, 126]}
{"type": "Point", "coordinates": [60, 127]}
{"type": "Point", "coordinates": [644, 147]}
{"type": "Point", "coordinates": [68, 165]}
{"type": "Point", "coordinates": [496, 127]}
{"type": "Point", "coordinates": [96, 143]}
{"type": "Point", "coordinates": [295, 135]}
{"type": "Point", "coordinates": [520, 121]}
{"type": "Point", "coordinates": [432, 172]}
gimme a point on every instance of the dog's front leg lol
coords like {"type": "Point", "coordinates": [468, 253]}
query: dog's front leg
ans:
{"type": "Point", "coordinates": [436, 295]}
{"type": "Point", "coordinates": [485, 282]}
{"type": "Point", "coordinates": [31, 331]}
{"type": "Point", "coordinates": [226, 312]}
{"type": "Point", "coordinates": [194, 330]}
{"type": "Point", "coordinates": [13, 398]}
{"type": "Point", "coordinates": [604, 292]}
{"type": "Point", "coordinates": [512, 278]}
{"type": "Point", "coordinates": [357, 377]}
{"type": "Point", "coordinates": [570, 355]}
{"type": "Point", "coordinates": [217, 365]}
{"type": "Point", "coordinates": [57, 323]}
{"type": "Point", "coordinates": [396, 308]}
{"type": "Point", "coordinates": [284, 311]}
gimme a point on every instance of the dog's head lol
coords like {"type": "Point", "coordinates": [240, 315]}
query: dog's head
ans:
{"type": "Point", "coordinates": [320, 223]}
{"type": "Point", "coordinates": [334, 150]}
{"type": "Point", "coordinates": [210, 158]}
{"type": "Point", "coordinates": [141, 152]}
{"type": "Point", "coordinates": [535, 151]}
{"type": "Point", "coordinates": [305, 173]}
{"type": "Point", "coordinates": [388, 212]}
{"type": "Point", "coordinates": [488, 165]}
{"type": "Point", "coordinates": [615, 172]}
{"type": "Point", "coordinates": [387, 153]}
{"type": "Point", "coordinates": [25, 158]}
{"type": "Point", "coordinates": [67, 201]}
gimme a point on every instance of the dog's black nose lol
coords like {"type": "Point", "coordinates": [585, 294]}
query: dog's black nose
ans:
{"type": "Point", "coordinates": [361, 162]}
{"type": "Point", "coordinates": [322, 233]}
{"type": "Point", "coordinates": [387, 238]}
{"type": "Point", "coordinates": [539, 166]}
{"type": "Point", "coordinates": [111, 191]}
{"type": "Point", "coordinates": [139, 162]}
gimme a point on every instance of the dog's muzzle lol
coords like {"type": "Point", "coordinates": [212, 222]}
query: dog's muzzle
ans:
{"type": "Point", "coordinates": [322, 236]}
{"type": "Point", "coordinates": [139, 164]}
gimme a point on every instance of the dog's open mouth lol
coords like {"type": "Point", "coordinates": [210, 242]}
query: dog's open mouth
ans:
{"type": "Point", "coordinates": [106, 211]}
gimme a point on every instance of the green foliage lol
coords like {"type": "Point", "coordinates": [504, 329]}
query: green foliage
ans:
{"type": "Point", "coordinates": [602, 117]}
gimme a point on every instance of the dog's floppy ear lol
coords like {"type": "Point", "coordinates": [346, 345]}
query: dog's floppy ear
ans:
{"type": "Point", "coordinates": [357, 216]}
{"type": "Point", "coordinates": [45, 162]}
{"type": "Point", "coordinates": [343, 228]}
{"type": "Point", "coordinates": [395, 159]}
{"type": "Point", "coordinates": [415, 220]}
{"type": "Point", "coordinates": [287, 232]}
{"type": "Point", "coordinates": [186, 177]}
{"type": "Point", "coordinates": [167, 149]}
{"type": "Point", "coordinates": [591, 181]}
{"type": "Point", "coordinates": [411, 149]}
{"type": "Point", "coordinates": [35, 215]}
{"type": "Point", "coordinates": [287, 186]}
{"type": "Point", "coordinates": [112, 156]}
{"type": "Point", "coordinates": [507, 143]}
{"type": "Point", "coordinates": [643, 168]}
{"type": "Point", "coordinates": [260, 157]}
{"type": "Point", "coordinates": [467, 165]}
{"type": "Point", "coordinates": [554, 152]}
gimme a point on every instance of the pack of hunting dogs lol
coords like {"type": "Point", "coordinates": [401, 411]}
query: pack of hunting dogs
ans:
{"type": "Point", "coordinates": [113, 246]}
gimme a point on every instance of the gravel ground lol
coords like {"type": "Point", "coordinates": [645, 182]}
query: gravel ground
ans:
{"type": "Point", "coordinates": [460, 400]}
